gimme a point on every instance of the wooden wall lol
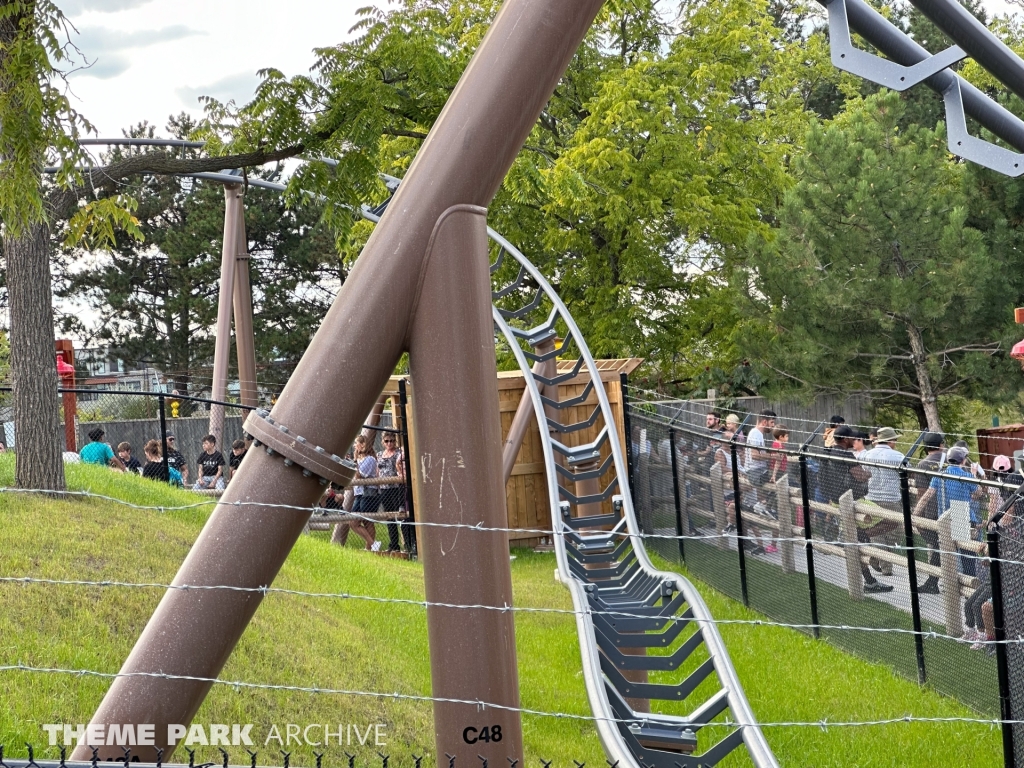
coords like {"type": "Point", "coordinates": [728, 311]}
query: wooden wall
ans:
{"type": "Point", "coordinates": [526, 494]}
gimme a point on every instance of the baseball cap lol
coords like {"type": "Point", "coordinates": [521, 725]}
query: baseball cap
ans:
{"type": "Point", "coordinates": [933, 439]}
{"type": "Point", "coordinates": [842, 431]}
{"type": "Point", "coordinates": [956, 455]}
{"type": "Point", "coordinates": [732, 418]}
{"type": "Point", "coordinates": [1002, 463]}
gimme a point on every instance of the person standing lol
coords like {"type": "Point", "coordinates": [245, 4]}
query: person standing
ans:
{"type": "Point", "coordinates": [365, 499]}
{"type": "Point", "coordinates": [175, 459]}
{"type": "Point", "coordinates": [391, 463]}
{"type": "Point", "coordinates": [211, 466]}
{"type": "Point", "coordinates": [884, 491]}
{"type": "Point", "coordinates": [934, 444]}
{"type": "Point", "coordinates": [98, 452]}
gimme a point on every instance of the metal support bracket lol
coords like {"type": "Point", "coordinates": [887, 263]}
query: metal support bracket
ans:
{"type": "Point", "coordinates": [971, 148]}
{"type": "Point", "coordinates": [297, 450]}
{"type": "Point", "coordinates": [874, 68]}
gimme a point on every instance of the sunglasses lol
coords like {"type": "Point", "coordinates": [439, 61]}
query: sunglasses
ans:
{"type": "Point", "coordinates": [389, 441]}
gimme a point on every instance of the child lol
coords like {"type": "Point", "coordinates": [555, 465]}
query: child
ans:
{"type": "Point", "coordinates": [154, 469]}
{"type": "Point", "coordinates": [211, 466]}
{"type": "Point", "coordinates": [131, 464]}
{"type": "Point", "coordinates": [238, 449]}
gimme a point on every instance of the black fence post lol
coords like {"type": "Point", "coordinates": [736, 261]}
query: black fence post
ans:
{"type": "Point", "coordinates": [628, 437]}
{"type": "Point", "coordinates": [1002, 662]}
{"type": "Point", "coordinates": [915, 601]}
{"type": "Point", "coordinates": [163, 435]}
{"type": "Point", "coordinates": [409, 530]}
{"type": "Point", "coordinates": [739, 523]}
{"type": "Point", "coordinates": [675, 494]}
{"type": "Point", "coordinates": [812, 583]}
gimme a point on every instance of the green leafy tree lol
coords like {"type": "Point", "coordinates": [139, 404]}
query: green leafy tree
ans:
{"type": "Point", "coordinates": [873, 282]}
{"type": "Point", "coordinates": [155, 300]}
{"type": "Point", "coordinates": [38, 127]}
{"type": "Point", "coordinates": [655, 159]}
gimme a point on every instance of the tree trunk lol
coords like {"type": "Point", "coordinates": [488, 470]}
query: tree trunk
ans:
{"type": "Point", "coordinates": [929, 400]}
{"type": "Point", "coordinates": [39, 462]}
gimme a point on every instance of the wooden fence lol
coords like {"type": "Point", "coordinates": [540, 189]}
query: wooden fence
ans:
{"type": "Point", "coordinates": [526, 493]}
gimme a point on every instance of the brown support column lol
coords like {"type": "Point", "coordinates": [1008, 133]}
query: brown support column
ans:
{"type": "Point", "coordinates": [465, 157]}
{"type": "Point", "coordinates": [222, 348]}
{"type": "Point", "coordinates": [245, 342]}
{"type": "Point", "coordinates": [524, 413]}
{"type": "Point", "coordinates": [472, 653]}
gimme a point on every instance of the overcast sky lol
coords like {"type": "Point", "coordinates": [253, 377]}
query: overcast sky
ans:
{"type": "Point", "coordinates": [154, 58]}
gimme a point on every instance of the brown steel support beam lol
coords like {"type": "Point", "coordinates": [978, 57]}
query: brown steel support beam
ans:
{"type": "Point", "coordinates": [458, 428]}
{"type": "Point", "coordinates": [245, 341]}
{"type": "Point", "coordinates": [222, 343]}
{"type": "Point", "coordinates": [463, 161]}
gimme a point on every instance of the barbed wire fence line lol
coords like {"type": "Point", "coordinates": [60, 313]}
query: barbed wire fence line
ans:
{"type": "Point", "coordinates": [660, 534]}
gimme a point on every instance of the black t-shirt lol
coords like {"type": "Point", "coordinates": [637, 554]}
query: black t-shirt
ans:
{"type": "Point", "coordinates": [209, 462]}
{"type": "Point", "coordinates": [154, 470]}
{"type": "Point", "coordinates": [133, 464]}
{"type": "Point", "coordinates": [176, 460]}
{"type": "Point", "coordinates": [235, 461]}
{"type": "Point", "coordinates": [929, 463]}
{"type": "Point", "coordinates": [836, 478]}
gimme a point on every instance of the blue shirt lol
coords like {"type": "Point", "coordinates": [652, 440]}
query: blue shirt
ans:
{"type": "Point", "coordinates": [97, 453]}
{"type": "Point", "coordinates": [953, 490]}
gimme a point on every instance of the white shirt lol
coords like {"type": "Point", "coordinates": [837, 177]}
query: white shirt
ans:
{"type": "Point", "coordinates": [755, 441]}
{"type": "Point", "coordinates": [884, 484]}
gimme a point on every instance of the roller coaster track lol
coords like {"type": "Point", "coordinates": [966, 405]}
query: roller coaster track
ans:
{"type": "Point", "coordinates": [602, 560]}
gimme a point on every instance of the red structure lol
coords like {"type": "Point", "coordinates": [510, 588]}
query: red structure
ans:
{"type": "Point", "coordinates": [66, 373]}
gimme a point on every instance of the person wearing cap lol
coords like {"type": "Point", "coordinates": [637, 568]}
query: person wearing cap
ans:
{"type": "Point", "coordinates": [175, 459]}
{"type": "Point", "coordinates": [98, 452]}
{"type": "Point", "coordinates": [947, 490]}
{"type": "Point", "coordinates": [934, 444]}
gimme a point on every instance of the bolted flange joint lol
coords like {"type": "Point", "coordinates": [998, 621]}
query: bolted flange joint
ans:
{"type": "Point", "coordinates": [298, 451]}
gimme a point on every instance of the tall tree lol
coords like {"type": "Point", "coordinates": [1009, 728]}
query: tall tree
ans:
{"type": "Point", "coordinates": [873, 282]}
{"type": "Point", "coordinates": [39, 127]}
{"type": "Point", "coordinates": [665, 141]}
{"type": "Point", "coordinates": [155, 300]}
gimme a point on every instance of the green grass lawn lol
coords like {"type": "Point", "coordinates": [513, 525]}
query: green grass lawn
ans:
{"type": "Point", "coordinates": [358, 645]}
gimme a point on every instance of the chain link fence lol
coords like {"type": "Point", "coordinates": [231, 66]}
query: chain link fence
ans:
{"type": "Point", "coordinates": [131, 419]}
{"type": "Point", "coordinates": [819, 538]}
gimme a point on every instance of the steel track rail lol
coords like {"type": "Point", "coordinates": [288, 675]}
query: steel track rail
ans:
{"type": "Point", "coordinates": [609, 569]}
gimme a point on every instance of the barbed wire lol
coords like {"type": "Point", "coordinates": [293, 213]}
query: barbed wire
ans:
{"type": "Point", "coordinates": [316, 512]}
{"type": "Point", "coordinates": [676, 618]}
{"type": "Point", "coordinates": [481, 705]}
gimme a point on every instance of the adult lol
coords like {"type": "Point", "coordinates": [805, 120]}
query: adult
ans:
{"type": "Point", "coordinates": [839, 475]}
{"type": "Point", "coordinates": [703, 446]}
{"type": "Point", "coordinates": [934, 445]}
{"type": "Point", "coordinates": [757, 458]}
{"type": "Point", "coordinates": [365, 499]}
{"type": "Point", "coordinates": [175, 459]}
{"type": "Point", "coordinates": [955, 486]}
{"type": "Point", "coordinates": [211, 466]}
{"type": "Point", "coordinates": [884, 492]}
{"type": "Point", "coordinates": [391, 463]}
{"type": "Point", "coordinates": [99, 453]}
{"type": "Point", "coordinates": [830, 431]}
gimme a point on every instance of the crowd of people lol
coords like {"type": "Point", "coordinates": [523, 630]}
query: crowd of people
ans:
{"type": "Point", "coordinates": [866, 465]}
{"type": "Point", "coordinates": [212, 471]}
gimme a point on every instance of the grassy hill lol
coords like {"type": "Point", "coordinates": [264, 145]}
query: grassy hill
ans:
{"type": "Point", "coordinates": [360, 645]}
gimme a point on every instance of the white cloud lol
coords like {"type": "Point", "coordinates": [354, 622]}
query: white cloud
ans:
{"type": "Point", "coordinates": [73, 8]}
{"type": "Point", "coordinates": [239, 86]}
{"type": "Point", "coordinates": [98, 39]}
